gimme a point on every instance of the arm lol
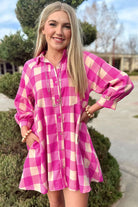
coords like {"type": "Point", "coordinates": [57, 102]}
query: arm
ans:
{"type": "Point", "coordinates": [30, 138]}
{"type": "Point", "coordinates": [24, 103]}
{"type": "Point", "coordinates": [111, 83]}
{"type": "Point", "coordinates": [95, 107]}
{"type": "Point", "coordinates": [24, 100]}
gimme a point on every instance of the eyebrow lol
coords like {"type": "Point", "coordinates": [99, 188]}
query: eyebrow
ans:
{"type": "Point", "coordinates": [57, 22]}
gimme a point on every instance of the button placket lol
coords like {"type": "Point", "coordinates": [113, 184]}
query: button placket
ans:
{"type": "Point", "coordinates": [60, 133]}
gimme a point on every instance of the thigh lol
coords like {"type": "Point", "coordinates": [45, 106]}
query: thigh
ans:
{"type": "Point", "coordinates": [56, 198]}
{"type": "Point", "coordinates": [75, 198]}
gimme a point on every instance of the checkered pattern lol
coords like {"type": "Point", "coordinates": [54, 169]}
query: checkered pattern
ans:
{"type": "Point", "coordinates": [65, 156]}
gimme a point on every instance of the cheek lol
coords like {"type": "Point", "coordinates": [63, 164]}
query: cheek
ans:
{"type": "Point", "coordinates": [47, 31]}
{"type": "Point", "coordinates": [68, 35]}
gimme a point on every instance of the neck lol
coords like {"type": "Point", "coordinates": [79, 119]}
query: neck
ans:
{"type": "Point", "coordinates": [54, 56]}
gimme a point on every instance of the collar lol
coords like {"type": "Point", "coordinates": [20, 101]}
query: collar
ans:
{"type": "Point", "coordinates": [41, 57]}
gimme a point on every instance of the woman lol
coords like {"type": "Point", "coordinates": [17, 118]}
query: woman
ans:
{"type": "Point", "coordinates": [52, 109]}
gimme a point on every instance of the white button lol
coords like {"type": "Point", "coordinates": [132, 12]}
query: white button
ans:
{"type": "Point", "coordinates": [58, 100]}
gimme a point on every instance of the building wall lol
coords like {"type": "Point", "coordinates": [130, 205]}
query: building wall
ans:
{"type": "Point", "coordinates": [6, 67]}
{"type": "Point", "coordinates": [124, 62]}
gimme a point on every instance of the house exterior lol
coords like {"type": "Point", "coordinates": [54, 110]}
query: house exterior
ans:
{"type": "Point", "coordinates": [6, 67]}
{"type": "Point", "coordinates": [124, 62]}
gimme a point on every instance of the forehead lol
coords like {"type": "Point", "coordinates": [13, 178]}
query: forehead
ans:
{"type": "Point", "coordinates": [59, 16]}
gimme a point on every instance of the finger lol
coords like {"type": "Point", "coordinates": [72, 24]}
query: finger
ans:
{"type": "Point", "coordinates": [33, 137]}
{"type": "Point", "coordinates": [36, 138]}
{"type": "Point", "coordinates": [84, 116]}
{"type": "Point", "coordinates": [29, 142]}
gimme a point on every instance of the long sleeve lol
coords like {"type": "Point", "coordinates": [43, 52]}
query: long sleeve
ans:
{"type": "Point", "coordinates": [24, 100]}
{"type": "Point", "coordinates": [104, 79]}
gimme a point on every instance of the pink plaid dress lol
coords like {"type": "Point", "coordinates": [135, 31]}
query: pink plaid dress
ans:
{"type": "Point", "coordinates": [47, 103]}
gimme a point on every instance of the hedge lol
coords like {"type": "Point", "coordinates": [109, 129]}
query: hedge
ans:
{"type": "Point", "coordinates": [9, 84]}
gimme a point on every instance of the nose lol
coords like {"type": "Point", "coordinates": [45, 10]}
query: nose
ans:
{"type": "Point", "coordinates": [59, 30]}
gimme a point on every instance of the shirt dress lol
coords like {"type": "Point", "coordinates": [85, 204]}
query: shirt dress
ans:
{"type": "Point", "coordinates": [47, 103]}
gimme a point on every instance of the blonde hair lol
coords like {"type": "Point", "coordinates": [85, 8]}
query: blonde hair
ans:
{"type": "Point", "coordinates": [75, 63]}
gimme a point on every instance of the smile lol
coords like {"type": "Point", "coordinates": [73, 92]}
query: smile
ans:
{"type": "Point", "coordinates": [58, 39]}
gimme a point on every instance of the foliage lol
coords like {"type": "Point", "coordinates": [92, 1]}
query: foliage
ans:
{"type": "Point", "coordinates": [89, 33]}
{"type": "Point", "coordinates": [10, 134]}
{"type": "Point", "coordinates": [16, 48]}
{"type": "Point", "coordinates": [13, 153]}
{"type": "Point", "coordinates": [9, 84]}
{"type": "Point", "coordinates": [135, 116]}
{"type": "Point", "coordinates": [132, 73]}
{"type": "Point", "coordinates": [106, 193]}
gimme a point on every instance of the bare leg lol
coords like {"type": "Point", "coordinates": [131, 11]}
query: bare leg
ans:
{"type": "Point", "coordinates": [56, 198]}
{"type": "Point", "coordinates": [75, 198]}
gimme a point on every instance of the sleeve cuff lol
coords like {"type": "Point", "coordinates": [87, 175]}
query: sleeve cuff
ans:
{"type": "Point", "coordinates": [25, 123]}
{"type": "Point", "coordinates": [107, 103]}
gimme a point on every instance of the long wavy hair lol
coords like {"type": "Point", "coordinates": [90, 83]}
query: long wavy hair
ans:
{"type": "Point", "coordinates": [75, 62]}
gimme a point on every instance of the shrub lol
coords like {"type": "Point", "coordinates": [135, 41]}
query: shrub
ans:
{"type": "Point", "coordinates": [106, 193]}
{"type": "Point", "coordinates": [10, 134]}
{"type": "Point", "coordinates": [132, 73]}
{"type": "Point", "coordinates": [12, 155]}
{"type": "Point", "coordinates": [9, 84]}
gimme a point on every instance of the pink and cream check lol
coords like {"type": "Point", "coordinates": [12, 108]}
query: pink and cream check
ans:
{"type": "Point", "coordinates": [64, 156]}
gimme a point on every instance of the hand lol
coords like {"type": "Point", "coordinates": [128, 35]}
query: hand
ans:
{"type": "Point", "coordinates": [31, 138]}
{"type": "Point", "coordinates": [84, 117]}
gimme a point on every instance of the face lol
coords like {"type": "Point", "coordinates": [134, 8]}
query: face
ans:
{"type": "Point", "coordinates": [57, 31]}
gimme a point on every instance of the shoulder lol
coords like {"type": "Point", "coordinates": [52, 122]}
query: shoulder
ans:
{"type": "Point", "coordinates": [31, 63]}
{"type": "Point", "coordinates": [29, 66]}
{"type": "Point", "coordinates": [91, 59]}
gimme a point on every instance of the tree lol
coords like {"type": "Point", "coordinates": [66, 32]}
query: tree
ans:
{"type": "Point", "coordinates": [106, 21]}
{"type": "Point", "coordinates": [16, 48]}
{"type": "Point", "coordinates": [89, 33]}
{"type": "Point", "coordinates": [132, 44]}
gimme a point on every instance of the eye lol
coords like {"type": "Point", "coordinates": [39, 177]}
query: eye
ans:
{"type": "Point", "coordinates": [52, 24]}
{"type": "Point", "coordinates": [67, 26]}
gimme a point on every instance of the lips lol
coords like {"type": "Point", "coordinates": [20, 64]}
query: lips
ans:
{"type": "Point", "coordinates": [58, 39]}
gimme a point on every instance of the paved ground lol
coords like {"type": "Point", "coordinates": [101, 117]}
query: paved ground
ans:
{"type": "Point", "coordinates": [5, 103]}
{"type": "Point", "coordinates": [122, 129]}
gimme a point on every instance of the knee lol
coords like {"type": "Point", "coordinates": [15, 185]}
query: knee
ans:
{"type": "Point", "coordinates": [55, 204]}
